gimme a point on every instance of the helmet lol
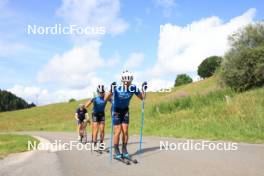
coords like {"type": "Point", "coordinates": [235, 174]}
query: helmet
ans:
{"type": "Point", "coordinates": [100, 89]}
{"type": "Point", "coordinates": [126, 76]}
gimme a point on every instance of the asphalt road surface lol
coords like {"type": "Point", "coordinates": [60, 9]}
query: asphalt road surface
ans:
{"type": "Point", "coordinates": [247, 160]}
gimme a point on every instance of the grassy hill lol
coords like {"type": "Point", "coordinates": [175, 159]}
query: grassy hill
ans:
{"type": "Point", "coordinates": [199, 110]}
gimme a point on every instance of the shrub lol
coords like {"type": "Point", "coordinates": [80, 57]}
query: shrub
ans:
{"type": "Point", "coordinates": [244, 69]}
{"type": "Point", "coordinates": [243, 65]}
{"type": "Point", "coordinates": [182, 79]}
{"type": "Point", "coordinates": [208, 67]}
{"type": "Point", "coordinates": [72, 100]}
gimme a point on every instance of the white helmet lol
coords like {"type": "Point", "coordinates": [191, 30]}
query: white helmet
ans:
{"type": "Point", "coordinates": [126, 76]}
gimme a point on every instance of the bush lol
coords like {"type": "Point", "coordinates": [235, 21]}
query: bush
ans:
{"type": "Point", "coordinates": [243, 65]}
{"type": "Point", "coordinates": [31, 105]}
{"type": "Point", "coordinates": [208, 67]}
{"type": "Point", "coordinates": [249, 37]}
{"type": "Point", "coordinates": [244, 69]}
{"type": "Point", "coordinates": [182, 79]}
{"type": "Point", "coordinates": [72, 100]}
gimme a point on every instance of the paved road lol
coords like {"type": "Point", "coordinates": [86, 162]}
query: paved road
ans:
{"type": "Point", "coordinates": [247, 160]}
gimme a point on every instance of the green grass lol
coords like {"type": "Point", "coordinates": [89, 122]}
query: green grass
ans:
{"type": "Point", "coordinates": [197, 110]}
{"type": "Point", "coordinates": [11, 143]}
{"type": "Point", "coordinates": [210, 116]}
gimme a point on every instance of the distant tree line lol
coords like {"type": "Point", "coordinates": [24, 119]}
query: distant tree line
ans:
{"type": "Point", "coordinates": [10, 102]}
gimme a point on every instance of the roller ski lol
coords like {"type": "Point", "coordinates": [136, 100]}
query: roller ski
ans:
{"type": "Point", "coordinates": [129, 158]}
{"type": "Point", "coordinates": [96, 148]}
{"type": "Point", "coordinates": [120, 158]}
{"type": "Point", "coordinates": [126, 156]}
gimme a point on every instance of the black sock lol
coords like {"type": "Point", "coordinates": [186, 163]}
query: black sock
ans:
{"type": "Point", "coordinates": [116, 147]}
{"type": "Point", "coordinates": [124, 148]}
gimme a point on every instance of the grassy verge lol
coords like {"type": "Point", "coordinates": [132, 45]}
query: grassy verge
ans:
{"type": "Point", "coordinates": [11, 143]}
{"type": "Point", "coordinates": [211, 116]}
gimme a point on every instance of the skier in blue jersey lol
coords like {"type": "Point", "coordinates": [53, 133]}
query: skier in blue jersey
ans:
{"type": "Point", "coordinates": [98, 114]}
{"type": "Point", "coordinates": [122, 95]}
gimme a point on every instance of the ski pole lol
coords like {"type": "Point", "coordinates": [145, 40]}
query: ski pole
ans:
{"type": "Point", "coordinates": [112, 123]}
{"type": "Point", "coordinates": [142, 125]}
{"type": "Point", "coordinates": [144, 87]}
{"type": "Point", "coordinates": [94, 95]}
{"type": "Point", "coordinates": [111, 138]}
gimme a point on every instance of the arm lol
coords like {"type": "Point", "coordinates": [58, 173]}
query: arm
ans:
{"type": "Point", "coordinates": [76, 116]}
{"type": "Point", "coordinates": [87, 117]}
{"type": "Point", "coordinates": [108, 96]}
{"type": "Point", "coordinates": [110, 93]}
{"type": "Point", "coordinates": [142, 95]}
{"type": "Point", "coordinates": [88, 103]}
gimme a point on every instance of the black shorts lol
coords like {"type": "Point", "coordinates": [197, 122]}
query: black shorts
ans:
{"type": "Point", "coordinates": [120, 116]}
{"type": "Point", "coordinates": [79, 121]}
{"type": "Point", "coordinates": [98, 117]}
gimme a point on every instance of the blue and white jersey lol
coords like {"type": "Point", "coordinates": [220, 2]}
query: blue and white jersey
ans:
{"type": "Point", "coordinates": [98, 104]}
{"type": "Point", "coordinates": [123, 96]}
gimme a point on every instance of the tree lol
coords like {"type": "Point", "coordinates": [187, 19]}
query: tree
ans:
{"type": "Point", "coordinates": [208, 66]}
{"type": "Point", "coordinates": [72, 100]}
{"type": "Point", "coordinates": [243, 65]}
{"type": "Point", "coordinates": [31, 105]}
{"type": "Point", "coordinates": [9, 102]}
{"type": "Point", "coordinates": [250, 36]}
{"type": "Point", "coordinates": [182, 79]}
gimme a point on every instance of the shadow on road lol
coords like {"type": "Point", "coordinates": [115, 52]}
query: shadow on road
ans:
{"type": "Point", "coordinates": [147, 150]}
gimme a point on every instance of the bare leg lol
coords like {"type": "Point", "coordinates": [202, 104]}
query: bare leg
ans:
{"type": "Point", "coordinates": [124, 137]}
{"type": "Point", "coordinates": [117, 129]}
{"type": "Point", "coordinates": [84, 130]}
{"type": "Point", "coordinates": [95, 131]}
{"type": "Point", "coordinates": [102, 127]}
{"type": "Point", "coordinates": [80, 129]}
{"type": "Point", "coordinates": [125, 132]}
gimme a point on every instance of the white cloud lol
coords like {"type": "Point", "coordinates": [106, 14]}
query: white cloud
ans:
{"type": "Point", "coordinates": [158, 84]}
{"type": "Point", "coordinates": [94, 13]}
{"type": "Point", "coordinates": [29, 93]}
{"type": "Point", "coordinates": [75, 68]}
{"type": "Point", "coordinates": [41, 96]}
{"type": "Point", "coordinates": [134, 60]}
{"type": "Point", "coordinates": [167, 6]}
{"type": "Point", "coordinates": [181, 49]}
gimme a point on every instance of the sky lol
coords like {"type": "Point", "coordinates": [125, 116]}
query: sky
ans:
{"type": "Point", "coordinates": [154, 39]}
